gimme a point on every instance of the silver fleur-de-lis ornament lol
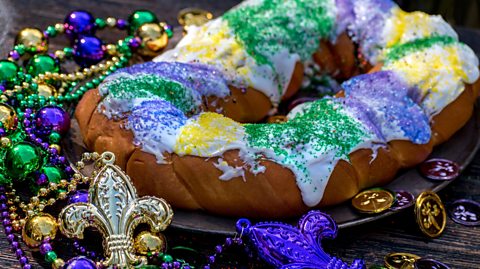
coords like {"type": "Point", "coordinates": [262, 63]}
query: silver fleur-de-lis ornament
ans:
{"type": "Point", "coordinates": [115, 210]}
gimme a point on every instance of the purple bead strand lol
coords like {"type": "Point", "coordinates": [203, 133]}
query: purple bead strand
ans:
{"type": "Point", "coordinates": [11, 237]}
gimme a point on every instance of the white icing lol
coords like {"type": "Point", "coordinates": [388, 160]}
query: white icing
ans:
{"type": "Point", "coordinates": [229, 172]}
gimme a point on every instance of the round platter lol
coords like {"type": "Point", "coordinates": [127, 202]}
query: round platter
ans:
{"type": "Point", "coordinates": [461, 148]}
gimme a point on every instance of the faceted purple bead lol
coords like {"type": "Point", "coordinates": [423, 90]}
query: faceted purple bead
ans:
{"type": "Point", "coordinates": [44, 248]}
{"type": "Point", "coordinates": [88, 50]}
{"type": "Point", "coordinates": [79, 22]}
{"type": "Point", "coordinates": [14, 54]}
{"type": "Point", "coordinates": [80, 263]}
{"type": "Point", "coordinates": [15, 245]}
{"type": "Point", "coordinates": [23, 260]}
{"type": "Point", "coordinates": [51, 118]}
{"type": "Point", "coordinates": [19, 253]}
{"type": "Point", "coordinates": [5, 214]}
{"type": "Point", "coordinates": [121, 24]}
{"type": "Point", "coordinates": [10, 238]}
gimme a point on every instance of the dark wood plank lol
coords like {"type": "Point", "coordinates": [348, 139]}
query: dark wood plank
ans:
{"type": "Point", "coordinates": [459, 247]}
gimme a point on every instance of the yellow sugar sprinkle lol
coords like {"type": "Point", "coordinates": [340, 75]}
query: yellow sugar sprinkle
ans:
{"type": "Point", "coordinates": [208, 134]}
{"type": "Point", "coordinates": [427, 68]}
{"type": "Point", "coordinates": [408, 21]}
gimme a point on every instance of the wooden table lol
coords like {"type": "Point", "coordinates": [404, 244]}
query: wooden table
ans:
{"type": "Point", "coordinates": [458, 247]}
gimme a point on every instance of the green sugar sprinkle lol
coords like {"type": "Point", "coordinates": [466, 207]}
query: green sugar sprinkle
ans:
{"type": "Point", "coordinates": [321, 128]}
{"type": "Point", "coordinates": [399, 51]}
{"type": "Point", "coordinates": [271, 25]}
{"type": "Point", "coordinates": [147, 86]}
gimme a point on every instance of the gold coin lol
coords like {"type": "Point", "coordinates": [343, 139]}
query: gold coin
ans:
{"type": "Point", "coordinates": [373, 201]}
{"type": "Point", "coordinates": [193, 16]}
{"type": "Point", "coordinates": [430, 214]}
{"type": "Point", "coordinates": [400, 260]}
{"type": "Point", "coordinates": [277, 119]}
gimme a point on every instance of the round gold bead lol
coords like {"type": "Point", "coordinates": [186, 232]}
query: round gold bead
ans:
{"type": "Point", "coordinates": [147, 242]}
{"type": "Point", "coordinates": [63, 183]}
{"type": "Point", "coordinates": [32, 38]}
{"type": "Point", "coordinates": [48, 74]}
{"type": "Point", "coordinates": [13, 216]}
{"type": "Point", "coordinates": [53, 186]}
{"type": "Point", "coordinates": [22, 222]}
{"type": "Point", "coordinates": [111, 49]}
{"type": "Point", "coordinates": [111, 22]}
{"type": "Point", "coordinates": [87, 71]}
{"type": "Point", "coordinates": [5, 142]}
{"type": "Point", "coordinates": [59, 28]}
{"type": "Point", "coordinates": [51, 201]}
{"type": "Point", "coordinates": [63, 77]}
{"type": "Point", "coordinates": [46, 90]}
{"type": "Point", "coordinates": [16, 225]}
{"type": "Point", "coordinates": [86, 179]}
{"type": "Point", "coordinates": [62, 195]}
{"type": "Point", "coordinates": [34, 200]}
{"type": "Point", "coordinates": [41, 207]}
{"type": "Point", "coordinates": [55, 146]}
{"type": "Point", "coordinates": [154, 39]}
{"type": "Point", "coordinates": [4, 98]}
{"type": "Point", "coordinates": [79, 76]}
{"type": "Point", "coordinates": [86, 156]}
{"type": "Point", "coordinates": [80, 165]}
{"type": "Point", "coordinates": [8, 118]}
{"type": "Point", "coordinates": [43, 191]}
{"type": "Point", "coordinates": [30, 212]}
{"type": "Point", "coordinates": [58, 263]}
{"type": "Point", "coordinates": [37, 228]}
{"type": "Point", "coordinates": [72, 187]}
{"type": "Point", "coordinates": [60, 54]}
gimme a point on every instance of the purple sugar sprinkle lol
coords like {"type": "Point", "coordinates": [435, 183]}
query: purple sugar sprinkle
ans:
{"type": "Point", "coordinates": [387, 103]}
{"type": "Point", "coordinates": [202, 78]}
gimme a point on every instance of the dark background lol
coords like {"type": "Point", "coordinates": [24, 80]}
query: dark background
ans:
{"type": "Point", "coordinates": [458, 247]}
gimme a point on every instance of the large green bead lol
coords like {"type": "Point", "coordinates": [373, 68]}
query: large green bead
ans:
{"type": "Point", "coordinates": [22, 159]}
{"type": "Point", "coordinates": [4, 180]}
{"type": "Point", "coordinates": [54, 175]}
{"type": "Point", "coordinates": [8, 71]}
{"type": "Point", "coordinates": [138, 18]}
{"type": "Point", "coordinates": [40, 64]}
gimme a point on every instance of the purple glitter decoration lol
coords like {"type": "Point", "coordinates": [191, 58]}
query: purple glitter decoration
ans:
{"type": "Point", "coordinates": [389, 104]}
{"type": "Point", "coordinates": [198, 77]}
{"type": "Point", "coordinates": [369, 22]}
{"type": "Point", "coordinates": [288, 247]}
